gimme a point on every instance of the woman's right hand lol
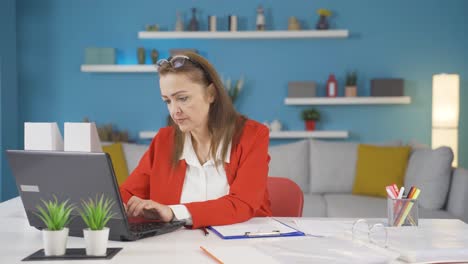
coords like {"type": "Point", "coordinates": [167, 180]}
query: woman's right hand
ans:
{"type": "Point", "coordinates": [137, 207]}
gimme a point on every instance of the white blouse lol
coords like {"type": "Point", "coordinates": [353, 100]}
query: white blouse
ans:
{"type": "Point", "coordinates": [202, 182]}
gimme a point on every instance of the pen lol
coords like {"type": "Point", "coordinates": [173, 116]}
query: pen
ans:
{"type": "Point", "coordinates": [205, 231]}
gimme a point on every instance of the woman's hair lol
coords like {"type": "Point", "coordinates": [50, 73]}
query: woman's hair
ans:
{"type": "Point", "coordinates": [225, 124]}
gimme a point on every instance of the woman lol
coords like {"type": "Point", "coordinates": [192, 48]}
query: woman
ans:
{"type": "Point", "coordinates": [210, 166]}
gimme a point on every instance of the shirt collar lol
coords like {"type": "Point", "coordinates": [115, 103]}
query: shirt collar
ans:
{"type": "Point", "coordinates": [191, 157]}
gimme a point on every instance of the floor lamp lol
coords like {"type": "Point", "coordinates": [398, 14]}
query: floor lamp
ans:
{"type": "Point", "coordinates": [445, 112]}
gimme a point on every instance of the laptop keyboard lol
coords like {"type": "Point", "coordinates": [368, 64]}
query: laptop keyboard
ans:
{"type": "Point", "coordinates": [141, 228]}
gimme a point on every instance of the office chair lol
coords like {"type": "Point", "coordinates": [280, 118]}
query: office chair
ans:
{"type": "Point", "coordinates": [286, 197]}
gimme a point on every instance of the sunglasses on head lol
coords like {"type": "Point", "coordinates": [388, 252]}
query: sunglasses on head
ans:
{"type": "Point", "coordinates": [176, 62]}
{"type": "Point", "coordinates": [179, 61]}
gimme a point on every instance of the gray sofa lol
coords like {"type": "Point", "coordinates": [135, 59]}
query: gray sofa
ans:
{"type": "Point", "coordinates": [325, 172]}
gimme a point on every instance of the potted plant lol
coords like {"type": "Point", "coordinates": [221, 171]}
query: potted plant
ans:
{"type": "Point", "coordinates": [234, 90]}
{"type": "Point", "coordinates": [310, 116]}
{"type": "Point", "coordinates": [351, 84]}
{"type": "Point", "coordinates": [56, 216]}
{"type": "Point", "coordinates": [96, 213]}
{"type": "Point", "coordinates": [323, 21]}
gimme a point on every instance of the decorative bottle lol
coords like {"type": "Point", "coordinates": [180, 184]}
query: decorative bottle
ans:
{"type": "Point", "coordinates": [193, 26]}
{"type": "Point", "coordinates": [141, 55]}
{"type": "Point", "coordinates": [332, 86]}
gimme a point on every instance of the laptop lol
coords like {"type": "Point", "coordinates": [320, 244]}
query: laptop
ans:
{"type": "Point", "coordinates": [77, 176]}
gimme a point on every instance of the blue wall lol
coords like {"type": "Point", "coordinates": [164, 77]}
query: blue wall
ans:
{"type": "Point", "coordinates": [408, 39]}
{"type": "Point", "coordinates": [8, 94]}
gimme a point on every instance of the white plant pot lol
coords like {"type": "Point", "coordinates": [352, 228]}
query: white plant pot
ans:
{"type": "Point", "coordinates": [55, 242]}
{"type": "Point", "coordinates": [96, 241]}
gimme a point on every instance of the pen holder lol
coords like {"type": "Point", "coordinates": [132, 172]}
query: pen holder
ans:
{"type": "Point", "coordinates": [402, 212]}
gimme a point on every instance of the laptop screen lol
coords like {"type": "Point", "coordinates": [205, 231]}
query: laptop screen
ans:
{"type": "Point", "coordinates": [73, 176]}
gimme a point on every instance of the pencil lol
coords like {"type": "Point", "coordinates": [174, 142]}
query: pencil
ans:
{"type": "Point", "coordinates": [211, 255]}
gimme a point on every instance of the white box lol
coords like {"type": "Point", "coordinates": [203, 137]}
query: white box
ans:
{"type": "Point", "coordinates": [81, 137]}
{"type": "Point", "coordinates": [42, 136]}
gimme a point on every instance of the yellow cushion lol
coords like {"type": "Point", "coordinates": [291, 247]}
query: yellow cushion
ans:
{"type": "Point", "coordinates": [116, 153]}
{"type": "Point", "coordinates": [378, 167]}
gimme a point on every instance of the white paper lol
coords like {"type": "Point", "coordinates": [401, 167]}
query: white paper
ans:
{"type": "Point", "coordinates": [239, 254]}
{"type": "Point", "coordinates": [325, 250]}
{"type": "Point", "coordinates": [325, 228]}
{"type": "Point", "coordinates": [254, 225]}
{"type": "Point", "coordinates": [42, 136]}
{"type": "Point", "coordinates": [444, 242]}
{"type": "Point", "coordinates": [81, 137]}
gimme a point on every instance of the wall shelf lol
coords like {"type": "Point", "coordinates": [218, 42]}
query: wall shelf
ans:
{"type": "Point", "coordinates": [147, 134]}
{"type": "Point", "coordinates": [118, 68]}
{"type": "Point", "coordinates": [348, 100]}
{"type": "Point", "coordinates": [272, 34]}
{"type": "Point", "coordinates": [279, 134]}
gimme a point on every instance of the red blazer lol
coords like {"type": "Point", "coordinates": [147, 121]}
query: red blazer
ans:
{"type": "Point", "coordinates": [155, 178]}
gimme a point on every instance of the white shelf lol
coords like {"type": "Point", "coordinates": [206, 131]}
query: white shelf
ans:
{"type": "Point", "coordinates": [273, 34]}
{"type": "Point", "coordinates": [348, 100]}
{"type": "Point", "coordinates": [117, 68]}
{"type": "Point", "coordinates": [279, 134]}
{"type": "Point", "coordinates": [309, 134]}
{"type": "Point", "coordinates": [147, 134]}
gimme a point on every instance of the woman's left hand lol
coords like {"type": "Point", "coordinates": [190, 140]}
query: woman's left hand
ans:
{"type": "Point", "coordinates": [137, 207]}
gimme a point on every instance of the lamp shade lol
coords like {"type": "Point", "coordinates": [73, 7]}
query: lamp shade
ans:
{"type": "Point", "coordinates": [445, 100]}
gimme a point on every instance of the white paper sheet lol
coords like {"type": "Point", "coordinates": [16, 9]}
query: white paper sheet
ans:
{"type": "Point", "coordinates": [240, 254]}
{"type": "Point", "coordinates": [324, 228]}
{"type": "Point", "coordinates": [325, 250]}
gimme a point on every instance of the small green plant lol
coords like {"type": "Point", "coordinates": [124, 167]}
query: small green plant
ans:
{"type": "Point", "coordinates": [234, 91]}
{"type": "Point", "coordinates": [96, 213]}
{"type": "Point", "coordinates": [55, 214]}
{"type": "Point", "coordinates": [351, 79]}
{"type": "Point", "coordinates": [324, 12]}
{"type": "Point", "coordinates": [310, 114]}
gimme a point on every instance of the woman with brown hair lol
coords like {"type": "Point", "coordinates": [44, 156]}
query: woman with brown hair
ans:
{"type": "Point", "coordinates": [210, 165]}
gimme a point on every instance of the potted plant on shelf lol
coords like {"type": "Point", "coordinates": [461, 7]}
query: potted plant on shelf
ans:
{"type": "Point", "coordinates": [234, 90]}
{"type": "Point", "coordinates": [323, 21]}
{"type": "Point", "coordinates": [310, 116]}
{"type": "Point", "coordinates": [351, 84]}
{"type": "Point", "coordinates": [96, 213]}
{"type": "Point", "coordinates": [56, 216]}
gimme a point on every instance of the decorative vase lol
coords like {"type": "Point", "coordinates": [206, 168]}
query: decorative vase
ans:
{"type": "Point", "coordinates": [179, 26]}
{"type": "Point", "coordinates": [154, 56]}
{"type": "Point", "coordinates": [96, 241]}
{"type": "Point", "coordinates": [276, 125]}
{"type": "Point", "coordinates": [293, 24]}
{"type": "Point", "coordinates": [55, 242]}
{"type": "Point", "coordinates": [322, 23]}
{"type": "Point", "coordinates": [351, 91]}
{"type": "Point", "coordinates": [310, 125]}
{"type": "Point", "coordinates": [141, 55]}
{"type": "Point", "coordinates": [193, 26]}
{"type": "Point", "coordinates": [260, 23]}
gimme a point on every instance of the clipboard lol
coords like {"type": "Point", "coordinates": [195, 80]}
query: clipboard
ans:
{"type": "Point", "coordinates": [259, 227]}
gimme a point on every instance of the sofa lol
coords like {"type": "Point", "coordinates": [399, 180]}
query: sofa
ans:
{"type": "Point", "coordinates": [325, 171]}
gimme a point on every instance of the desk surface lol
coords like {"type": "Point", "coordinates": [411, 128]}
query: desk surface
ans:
{"type": "Point", "coordinates": [18, 240]}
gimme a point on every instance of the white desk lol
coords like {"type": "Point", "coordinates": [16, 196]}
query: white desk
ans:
{"type": "Point", "coordinates": [18, 240]}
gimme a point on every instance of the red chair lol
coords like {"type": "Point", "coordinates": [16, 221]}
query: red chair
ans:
{"type": "Point", "coordinates": [286, 197]}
